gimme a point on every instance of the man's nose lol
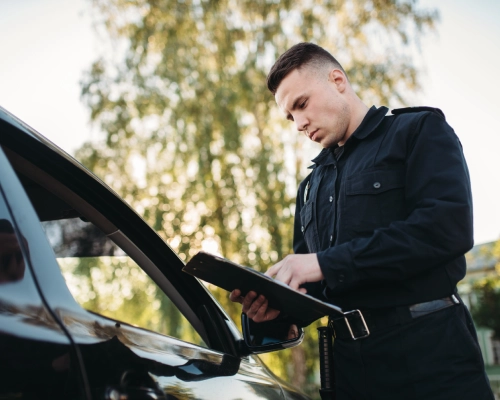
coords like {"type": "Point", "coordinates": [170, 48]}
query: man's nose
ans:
{"type": "Point", "coordinates": [301, 124]}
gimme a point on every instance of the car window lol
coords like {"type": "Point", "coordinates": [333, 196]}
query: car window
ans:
{"type": "Point", "coordinates": [105, 280]}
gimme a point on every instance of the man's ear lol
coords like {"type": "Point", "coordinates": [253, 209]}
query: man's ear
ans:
{"type": "Point", "coordinates": [338, 78]}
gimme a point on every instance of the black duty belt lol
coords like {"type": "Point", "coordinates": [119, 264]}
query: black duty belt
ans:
{"type": "Point", "coordinates": [359, 324]}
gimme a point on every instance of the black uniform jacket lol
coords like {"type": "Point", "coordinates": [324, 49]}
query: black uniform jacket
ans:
{"type": "Point", "coordinates": [391, 218]}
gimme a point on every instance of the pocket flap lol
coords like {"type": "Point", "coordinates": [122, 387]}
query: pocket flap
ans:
{"type": "Point", "coordinates": [375, 181]}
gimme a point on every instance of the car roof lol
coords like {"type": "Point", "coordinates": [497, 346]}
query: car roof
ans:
{"type": "Point", "coordinates": [23, 128]}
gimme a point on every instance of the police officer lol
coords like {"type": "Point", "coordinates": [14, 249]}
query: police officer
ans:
{"type": "Point", "coordinates": [382, 224]}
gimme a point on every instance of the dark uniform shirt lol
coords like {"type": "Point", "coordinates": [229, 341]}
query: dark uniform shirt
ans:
{"type": "Point", "coordinates": [389, 214]}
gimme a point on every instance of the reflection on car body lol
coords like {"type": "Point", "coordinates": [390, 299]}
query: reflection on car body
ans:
{"type": "Point", "coordinates": [94, 304]}
{"type": "Point", "coordinates": [11, 259]}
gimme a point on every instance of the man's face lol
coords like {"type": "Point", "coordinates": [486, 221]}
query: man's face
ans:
{"type": "Point", "coordinates": [315, 101]}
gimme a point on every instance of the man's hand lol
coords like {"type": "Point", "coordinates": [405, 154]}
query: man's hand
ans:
{"type": "Point", "coordinates": [296, 269]}
{"type": "Point", "coordinates": [254, 306]}
{"type": "Point", "coordinates": [293, 270]}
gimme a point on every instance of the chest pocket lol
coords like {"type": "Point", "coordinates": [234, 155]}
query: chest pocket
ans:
{"type": "Point", "coordinates": [374, 199]}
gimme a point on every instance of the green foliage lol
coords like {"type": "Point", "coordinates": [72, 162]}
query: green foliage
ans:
{"type": "Point", "coordinates": [194, 141]}
{"type": "Point", "coordinates": [487, 308]}
{"type": "Point", "coordinates": [117, 288]}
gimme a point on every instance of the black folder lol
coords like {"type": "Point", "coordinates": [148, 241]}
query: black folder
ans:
{"type": "Point", "coordinates": [228, 275]}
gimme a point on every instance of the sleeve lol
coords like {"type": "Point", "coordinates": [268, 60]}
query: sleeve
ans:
{"type": "Point", "coordinates": [438, 228]}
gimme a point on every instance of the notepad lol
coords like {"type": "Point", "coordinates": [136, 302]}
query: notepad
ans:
{"type": "Point", "coordinates": [228, 275]}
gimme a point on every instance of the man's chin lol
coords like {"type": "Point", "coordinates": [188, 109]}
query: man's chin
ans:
{"type": "Point", "coordinates": [326, 144]}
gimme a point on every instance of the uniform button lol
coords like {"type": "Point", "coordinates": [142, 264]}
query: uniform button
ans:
{"type": "Point", "coordinates": [377, 185]}
{"type": "Point", "coordinates": [341, 278]}
{"type": "Point", "coordinates": [302, 228]}
{"type": "Point", "coordinates": [331, 199]}
{"type": "Point", "coordinates": [331, 238]}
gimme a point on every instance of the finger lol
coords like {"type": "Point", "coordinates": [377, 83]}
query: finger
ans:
{"type": "Point", "coordinates": [235, 296]}
{"type": "Point", "coordinates": [297, 279]}
{"type": "Point", "coordinates": [274, 269]}
{"type": "Point", "coordinates": [272, 314]}
{"type": "Point", "coordinates": [252, 309]}
{"type": "Point", "coordinates": [259, 314]}
{"type": "Point", "coordinates": [264, 313]}
{"type": "Point", "coordinates": [284, 275]}
{"type": "Point", "coordinates": [302, 290]}
{"type": "Point", "coordinates": [295, 282]}
{"type": "Point", "coordinates": [248, 302]}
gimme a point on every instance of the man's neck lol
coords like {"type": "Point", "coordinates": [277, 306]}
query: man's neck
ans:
{"type": "Point", "coordinates": [359, 111]}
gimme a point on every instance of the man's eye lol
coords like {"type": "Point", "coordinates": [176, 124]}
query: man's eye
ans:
{"type": "Point", "coordinates": [302, 105]}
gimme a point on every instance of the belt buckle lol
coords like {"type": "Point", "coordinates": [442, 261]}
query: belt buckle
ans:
{"type": "Point", "coordinates": [353, 336]}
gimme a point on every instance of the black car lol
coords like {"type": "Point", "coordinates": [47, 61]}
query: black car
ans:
{"type": "Point", "coordinates": [68, 246]}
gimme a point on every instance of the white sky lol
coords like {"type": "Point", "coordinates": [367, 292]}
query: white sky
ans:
{"type": "Point", "coordinates": [47, 44]}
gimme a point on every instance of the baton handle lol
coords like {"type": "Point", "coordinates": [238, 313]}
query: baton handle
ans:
{"type": "Point", "coordinates": [327, 374]}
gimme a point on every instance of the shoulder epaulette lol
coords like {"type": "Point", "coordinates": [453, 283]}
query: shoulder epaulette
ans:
{"type": "Point", "coordinates": [406, 110]}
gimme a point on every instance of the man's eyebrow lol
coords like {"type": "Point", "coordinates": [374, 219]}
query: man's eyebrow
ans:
{"type": "Point", "coordinates": [295, 105]}
{"type": "Point", "coordinates": [297, 101]}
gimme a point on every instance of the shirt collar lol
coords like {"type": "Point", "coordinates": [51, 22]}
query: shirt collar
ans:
{"type": "Point", "coordinates": [370, 122]}
{"type": "Point", "coordinates": [372, 119]}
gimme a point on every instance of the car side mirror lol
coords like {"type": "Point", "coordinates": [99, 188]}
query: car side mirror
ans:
{"type": "Point", "coordinates": [270, 336]}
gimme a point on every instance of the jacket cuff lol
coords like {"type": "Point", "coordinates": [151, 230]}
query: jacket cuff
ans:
{"type": "Point", "coordinates": [337, 267]}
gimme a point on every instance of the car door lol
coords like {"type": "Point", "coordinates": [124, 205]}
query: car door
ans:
{"type": "Point", "coordinates": [37, 357]}
{"type": "Point", "coordinates": [119, 357]}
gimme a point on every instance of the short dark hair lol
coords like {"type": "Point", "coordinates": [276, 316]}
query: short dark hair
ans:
{"type": "Point", "coordinates": [296, 57]}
